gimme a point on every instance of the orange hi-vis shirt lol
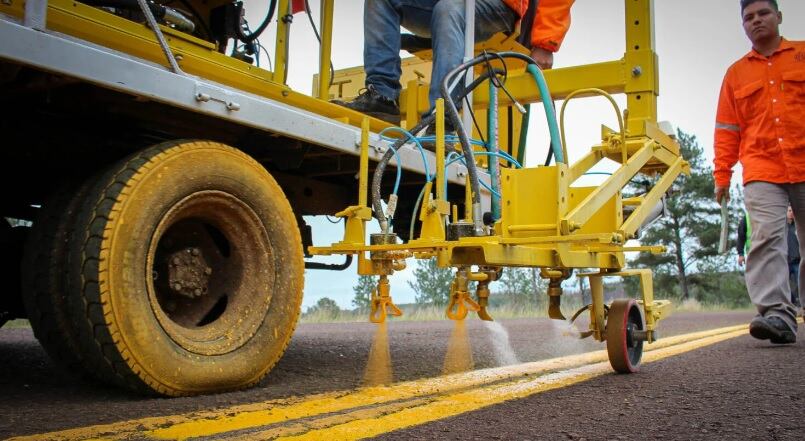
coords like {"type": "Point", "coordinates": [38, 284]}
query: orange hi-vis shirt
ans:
{"type": "Point", "coordinates": [550, 24]}
{"type": "Point", "coordinates": [761, 117]}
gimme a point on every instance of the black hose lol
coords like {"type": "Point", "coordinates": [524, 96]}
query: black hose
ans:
{"type": "Point", "coordinates": [377, 178]}
{"type": "Point", "coordinates": [472, 170]}
{"type": "Point", "coordinates": [318, 37]}
{"type": "Point", "coordinates": [469, 157]}
{"type": "Point", "coordinates": [428, 119]}
{"type": "Point", "coordinates": [330, 266]}
{"type": "Point", "coordinates": [549, 158]}
{"type": "Point", "coordinates": [272, 6]}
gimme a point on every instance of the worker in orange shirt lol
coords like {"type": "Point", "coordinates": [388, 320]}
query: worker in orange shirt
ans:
{"type": "Point", "coordinates": [761, 123]}
{"type": "Point", "coordinates": [443, 22]}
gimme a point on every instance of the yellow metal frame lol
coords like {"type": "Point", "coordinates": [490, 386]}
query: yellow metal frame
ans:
{"type": "Point", "coordinates": [546, 222]}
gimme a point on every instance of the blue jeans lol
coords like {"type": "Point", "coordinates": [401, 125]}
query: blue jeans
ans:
{"type": "Point", "coordinates": [440, 20]}
{"type": "Point", "coordinates": [793, 281]}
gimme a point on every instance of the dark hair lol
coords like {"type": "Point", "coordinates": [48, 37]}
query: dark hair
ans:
{"type": "Point", "coordinates": [745, 3]}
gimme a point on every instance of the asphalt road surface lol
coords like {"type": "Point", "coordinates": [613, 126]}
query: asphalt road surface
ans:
{"type": "Point", "coordinates": [730, 388]}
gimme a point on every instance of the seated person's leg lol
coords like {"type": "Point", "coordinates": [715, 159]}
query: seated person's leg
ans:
{"type": "Point", "coordinates": [382, 21]}
{"type": "Point", "coordinates": [447, 24]}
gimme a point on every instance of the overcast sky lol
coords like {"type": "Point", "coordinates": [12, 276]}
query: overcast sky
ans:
{"type": "Point", "coordinates": [696, 41]}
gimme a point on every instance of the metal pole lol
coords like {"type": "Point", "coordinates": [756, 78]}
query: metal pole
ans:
{"type": "Point", "coordinates": [36, 14]}
{"type": "Point", "coordinates": [493, 164]}
{"type": "Point", "coordinates": [469, 52]}
{"type": "Point", "coordinates": [284, 19]}
{"type": "Point", "coordinates": [326, 48]}
{"type": "Point", "coordinates": [440, 193]}
{"type": "Point", "coordinates": [363, 176]}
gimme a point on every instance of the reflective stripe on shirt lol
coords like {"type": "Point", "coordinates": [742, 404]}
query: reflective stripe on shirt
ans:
{"type": "Point", "coordinates": [732, 127]}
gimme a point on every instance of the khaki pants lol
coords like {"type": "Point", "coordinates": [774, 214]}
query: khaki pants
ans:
{"type": "Point", "coordinates": [767, 261]}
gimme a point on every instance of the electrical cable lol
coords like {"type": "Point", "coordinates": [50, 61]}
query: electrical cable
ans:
{"type": "Point", "coordinates": [475, 121]}
{"type": "Point", "coordinates": [600, 92]}
{"type": "Point", "coordinates": [461, 158]}
{"type": "Point", "coordinates": [272, 5]}
{"type": "Point", "coordinates": [318, 37]}
{"type": "Point", "coordinates": [377, 177]}
{"type": "Point", "coordinates": [415, 211]}
{"type": "Point", "coordinates": [416, 143]}
{"type": "Point", "coordinates": [265, 51]}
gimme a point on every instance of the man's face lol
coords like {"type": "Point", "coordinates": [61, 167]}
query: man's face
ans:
{"type": "Point", "coordinates": [790, 214]}
{"type": "Point", "coordinates": [761, 21]}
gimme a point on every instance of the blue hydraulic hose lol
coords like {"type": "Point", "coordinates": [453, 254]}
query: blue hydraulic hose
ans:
{"type": "Point", "coordinates": [418, 143]}
{"type": "Point", "coordinates": [550, 112]}
{"type": "Point", "coordinates": [510, 159]}
{"type": "Point", "coordinates": [458, 157]}
{"type": "Point", "coordinates": [500, 154]}
{"type": "Point", "coordinates": [418, 146]}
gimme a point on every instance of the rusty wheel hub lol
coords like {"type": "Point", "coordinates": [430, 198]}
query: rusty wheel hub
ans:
{"type": "Point", "coordinates": [188, 273]}
{"type": "Point", "coordinates": [211, 273]}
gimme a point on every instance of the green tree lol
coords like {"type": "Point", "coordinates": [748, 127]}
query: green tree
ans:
{"type": "Point", "coordinates": [690, 230]}
{"type": "Point", "coordinates": [326, 307]}
{"type": "Point", "coordinates": [432, 284]}
{"type": "Point", "coordinates": [515, 286]}
{"type": "Point", "coordinates": [363, 292]}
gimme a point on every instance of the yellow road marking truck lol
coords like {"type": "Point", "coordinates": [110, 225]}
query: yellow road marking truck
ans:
{"type": "Point", "coordinates": [155, 182]}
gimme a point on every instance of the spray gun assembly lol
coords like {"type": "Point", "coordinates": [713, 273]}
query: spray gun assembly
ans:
{"type": "Point", "coordinates": [536, 217]}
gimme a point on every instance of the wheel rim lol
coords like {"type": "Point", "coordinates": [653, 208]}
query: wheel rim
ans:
{"type": "Point", "coordinates": [210, 273]}
{"type": "Point", "coordinates": [624, 349]}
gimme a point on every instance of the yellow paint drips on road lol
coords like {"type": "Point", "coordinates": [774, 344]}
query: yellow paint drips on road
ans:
{"type": "Point", "coordinates": [459, 350]}
{"type": "Point", "coordinates": [378, 367]}
{"type": "Point", "coordinates": [465, 392]}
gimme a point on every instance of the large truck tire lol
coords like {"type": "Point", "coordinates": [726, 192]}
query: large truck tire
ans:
{"type": "Point", "coordinates": [44, 291]}
{"type": "Point", "coordinates": [185, 271]}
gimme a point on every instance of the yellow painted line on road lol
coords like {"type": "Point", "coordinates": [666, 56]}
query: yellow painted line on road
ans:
{"type": "Point", "coordinates": [474, 399]}
{"type": "Point", "coordinates": [257, 416]}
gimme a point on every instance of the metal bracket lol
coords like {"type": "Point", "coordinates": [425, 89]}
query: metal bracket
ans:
{"type": "Point", "coordinates": [36, 14]}
{"type": "Point", "coordinates": [205, 93]}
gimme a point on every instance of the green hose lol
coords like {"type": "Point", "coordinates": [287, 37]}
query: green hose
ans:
{"type": "Point", "coordinates": [550, 112]}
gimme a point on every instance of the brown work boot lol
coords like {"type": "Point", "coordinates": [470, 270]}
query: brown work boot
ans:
{"type": "Point", "coordinates": [370, 102]}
